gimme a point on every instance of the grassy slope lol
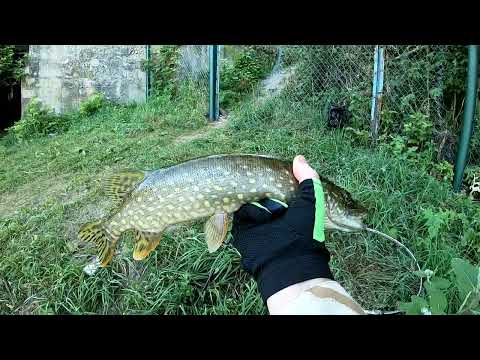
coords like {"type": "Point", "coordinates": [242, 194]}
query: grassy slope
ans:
{"type": "Point", "coordinates": [50, 186]}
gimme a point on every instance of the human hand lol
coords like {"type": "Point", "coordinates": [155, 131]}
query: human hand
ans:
{"type": "Point", "coordinates": [277, 244]}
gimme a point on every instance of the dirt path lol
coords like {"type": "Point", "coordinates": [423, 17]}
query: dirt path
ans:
{"type": "Point", "coordinates": [36, 193]}
{"type": "Point", "coordinates": [57, 186]}
{"type": "Point", "coordinates": [222, 121]}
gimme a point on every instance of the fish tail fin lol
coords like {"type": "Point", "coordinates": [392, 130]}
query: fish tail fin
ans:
{"type": "Point", "coordinates": [95, 232]}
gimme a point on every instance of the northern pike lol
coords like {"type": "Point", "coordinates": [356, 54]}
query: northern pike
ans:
{"type": "Point", "coordinates": [210, 188]}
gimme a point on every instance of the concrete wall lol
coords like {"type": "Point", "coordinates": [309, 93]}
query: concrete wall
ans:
{"type": "Point", "coordinates": [61, 76]}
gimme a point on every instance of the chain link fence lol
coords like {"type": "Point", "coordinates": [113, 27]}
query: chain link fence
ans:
{"type": "Point", "coordinates": [334, 78]}
{"type": "Point", "coordinates": [342, 74]}
{"type": "Point", "coordinates": [189, 69]}
{"type": "Point", "coordinates": [193, 65]}
{"type": "Point", "coordinates": [414, 82]}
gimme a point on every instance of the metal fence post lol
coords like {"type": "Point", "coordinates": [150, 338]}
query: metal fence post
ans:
{"type": "Point", "coordinates": [468, 117]}
{"type": "Point", "coordinates": [377, 90]}
{"type": "Point", "coordinates": [148, 82]}
{"type": "Point", "coordinates": [213, 109]}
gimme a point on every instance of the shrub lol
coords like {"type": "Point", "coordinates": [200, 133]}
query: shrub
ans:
{"type": "Point", "coordinates": [39, 120]}
{"type": "Point", "coordinates": [91, 105]}
{"type": "Point", "coordinates": [163, 67]}
{"type": "Point", "coordinates": [12, 67]}
{"type": "Point", "coordinates": [240, 76]}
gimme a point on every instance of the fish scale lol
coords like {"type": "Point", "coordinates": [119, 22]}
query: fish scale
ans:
{"type": "Point", "coordinates": [192, 178]}
{"type": "Point", "coordinates": [209, 187]}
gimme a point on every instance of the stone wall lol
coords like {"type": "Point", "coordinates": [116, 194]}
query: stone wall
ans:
{"type": "Point", "coordinates": [61, 76]}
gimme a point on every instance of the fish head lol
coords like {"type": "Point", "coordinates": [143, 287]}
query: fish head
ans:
{"type": "Point", "coordinates": [343, 212]}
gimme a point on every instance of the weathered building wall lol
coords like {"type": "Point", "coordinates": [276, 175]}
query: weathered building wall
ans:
{"type": "Point", "coordinates": [61, 76]}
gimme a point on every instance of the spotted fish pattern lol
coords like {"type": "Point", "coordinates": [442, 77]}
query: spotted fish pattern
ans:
{"type": "Point", "coordinates": [204, 188]}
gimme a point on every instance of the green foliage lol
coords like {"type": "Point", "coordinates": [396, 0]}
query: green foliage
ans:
{"type": "Point", "coordinates": [418, 130]}
{"type": "Point", "coordinates": [38, 120]}
{"type": "Point", "coordinates": [417, 306]}
{"type": "Point", "coordinates": [51, 186]}
{"type": "Point", "coordinates": [184, 111]}
{"type": "Point", "coordinates": [398, 146]}
{"type": "Point", "coordinates": [12, 67]}
{"type": "Point", "coordinates": [163, 67]}
{"type": "Point", "coordinates": [415, 138]}
{"type": "Point", "coordinates": [240, 76]}
{"type": "Point", "coordinates": [475, 140]}
{"type": "Point", "coordinates": [443, 170]}
{"type": "Point", "coordinates": [415, 144]}
{"type": "Point", "coordinates": [360, 137]}
{"type": "Point", "coordinates": [435, 221]}
{"type": "Point", "coordinates": [359, 105]}
{"type": "Point", "coordinates": [456, 61]}
{"type": "Point", "coordinates": [439, 223]}
{"type": "Point", "coordinates": [93, 104]}
{"type": "Point", "coordinates": [466, 287]}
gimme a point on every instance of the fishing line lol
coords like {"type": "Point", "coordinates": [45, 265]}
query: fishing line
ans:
{"type": "Point", "coordinates": [381, 312]}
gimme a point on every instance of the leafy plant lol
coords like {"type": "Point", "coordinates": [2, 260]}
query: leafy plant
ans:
{"type": "Point", "coordinates": [91, 105]}
{"type": "Point", "coordinates": [435, 220]}
{"type": "Point", "coordinates": [38, 120]}
{"type": "Point", "coordinates": [163, 67]}
{"type": "Point", "coordinates": [415, 144]}
{"type": "Point", "coordinates": [12, 67]}
{"type": "Point", "coordinates": [466, 284]}
{"type": "Point", "coordinates": [359, 105]}
{"type": "Point", "coordinates": [443, 171]}
{"type": "Point", "coordinates": [399, 147]}
{"type": "Point", "coordinates": [239, 76]}
{"type": "Point", "coordinates": [418, 129]}
{"type": "Point", "coordinates": [360, 137]}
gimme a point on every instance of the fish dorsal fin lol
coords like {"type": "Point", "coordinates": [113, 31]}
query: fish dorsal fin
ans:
{"type": "Point", "coordinates": [216, 230]}
{"type": "Point", "coordinates": [145, 243]}
{"type": "Point", "coordinates": [119, 185]}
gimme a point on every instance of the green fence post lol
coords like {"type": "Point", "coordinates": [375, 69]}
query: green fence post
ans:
{"type": "Point", "coordinates": [213, 108]}
{"type": "Point", "coordinates": [148, 83]}
{"type": "Point", "coordinates": [468, 117]}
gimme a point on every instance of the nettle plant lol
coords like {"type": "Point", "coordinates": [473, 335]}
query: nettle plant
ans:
{"type": "Point", "coordinates": [457, 291]}
{"type": "Point", "coordinates": [466, 286]}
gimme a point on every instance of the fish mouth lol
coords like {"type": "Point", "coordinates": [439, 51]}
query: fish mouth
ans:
{"type": "Point", "coordinates": [354, 225]}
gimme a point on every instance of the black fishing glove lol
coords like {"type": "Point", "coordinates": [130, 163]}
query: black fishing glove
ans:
{"type": "Point", "coordinates": [277, 244]}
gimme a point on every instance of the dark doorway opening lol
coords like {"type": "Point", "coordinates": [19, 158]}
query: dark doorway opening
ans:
{"type": "Point", "coordinates": [11, 97]}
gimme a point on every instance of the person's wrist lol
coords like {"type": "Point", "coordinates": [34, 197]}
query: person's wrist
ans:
{"type": "Point", "coordinates": [282, 298]}
{"type": "Point", "coordinates": [292, 267]}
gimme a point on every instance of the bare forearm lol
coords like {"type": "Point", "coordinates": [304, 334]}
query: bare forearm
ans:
{"type": "Point", "coordinates": [313, 297]}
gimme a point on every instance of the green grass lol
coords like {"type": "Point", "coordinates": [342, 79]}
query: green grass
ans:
{"type": "Point", "coordinates": [50, 186]}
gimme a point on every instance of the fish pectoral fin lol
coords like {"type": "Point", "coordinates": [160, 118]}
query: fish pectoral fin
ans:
{"type": "Point", "coordinates": [118, 186]}
{"type": "Point", "coordinates": [216, 230]}
{"type": "Point", "coordinates": [145, 243]}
